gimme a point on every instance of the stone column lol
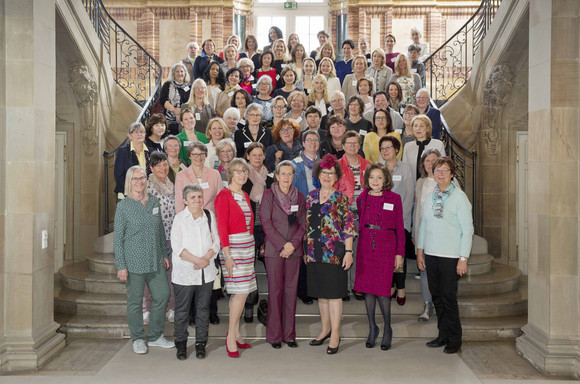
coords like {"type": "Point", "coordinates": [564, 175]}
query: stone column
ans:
{"type": "Point", "coordinates": [551, 340]}
{"type": "Point", "coordinates": [28, 335]}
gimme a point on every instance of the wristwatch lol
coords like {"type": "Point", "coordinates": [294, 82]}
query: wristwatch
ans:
{"type": "Point", "coordinates": [463, 258]}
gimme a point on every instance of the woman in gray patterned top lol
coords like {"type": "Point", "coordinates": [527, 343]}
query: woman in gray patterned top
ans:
{"type": "Point", "coordinates": [162, 188]}
{"type": "Point", "coordinates": [141, 257]}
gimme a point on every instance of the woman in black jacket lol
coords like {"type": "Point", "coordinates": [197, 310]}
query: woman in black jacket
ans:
{"type": "Point", "coordinates": [207, 55]}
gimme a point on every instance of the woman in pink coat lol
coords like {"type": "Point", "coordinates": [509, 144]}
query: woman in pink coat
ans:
{"type": "Point", "coordinates": [380, 248]}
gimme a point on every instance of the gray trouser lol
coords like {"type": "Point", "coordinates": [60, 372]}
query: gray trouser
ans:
{"type": "Point", "coordinates": [183, 295]}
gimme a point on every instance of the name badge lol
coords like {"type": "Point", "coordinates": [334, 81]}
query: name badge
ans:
{"type": "Point", "coordinates": [368, 105]}
{"type": "Point", "coordinates": [298, 160]}
{"type": "Point", "coordinates": [353, 83]}
{"type": "Point", "coordinates": [393, 59]}
{"type": "Point", "coordinates": [156, 210]}
{"type": "Point", "coordinates": [329, 109]}
{"type": "Point", "coordinates": [237, 197]}
{"type": "Point", "coordinates": [186, 143]}
{"type": "Point", "coordinates": [254, 85]}
{"type": "Point", "coordinates": [284, 65]}
{"type": "Point", "coordinates": [243, 122]}
{"type": "Point", "coordinates": [388, 206]}
{"type": "Point", "coordinates": [231, 94]}
{"type": "Point", "coordinates": [299, 119]}
{"type": "Point", "coordinates": [399, 131]}
{"type": "Point", "coordinates": [186, 89]}
{"type": "Point", "coordinates": [247, 144]}
{"type": "Point", "coordinates": [397, 178]}
{"type": "Point", "coordinates": [294, 208]}
{"type": "Point", "coordinates": [414, 70]}
{"type": "Point", "coordinates": [204, 185]}
{"type": "Point", "coordinates": [362, 132]}
{"type": "Point", "coordinates": [215, 159]}
{"type": "Point", "coordinates": [225, 184]}
{"type": "Point", "coordinates": [277, 77]}
{"type": "Point", "coordinates": [271, 174]}
{"type": "Point", "coordinates": [197, 116]}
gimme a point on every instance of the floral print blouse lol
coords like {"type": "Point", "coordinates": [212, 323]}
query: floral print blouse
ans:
{"type": "Point", "coordinates": [329, 225]}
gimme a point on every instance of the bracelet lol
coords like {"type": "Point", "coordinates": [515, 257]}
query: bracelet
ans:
{"type": "Point", "coordinates": [348, 250]}
{"type": "Point", "coordinates": [228, 258]}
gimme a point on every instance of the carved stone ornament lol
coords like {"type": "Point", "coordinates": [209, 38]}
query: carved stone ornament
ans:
{"type": "Point", "coordinates": [85, 90]}
{"type": "Point", "coordinates": [495, 97]}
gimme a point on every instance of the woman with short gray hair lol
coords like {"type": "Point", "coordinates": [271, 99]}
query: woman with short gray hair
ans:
{"type": "Point", "coordinates": [252, 131]}
{"type": "Point", "coordinates": [283, 217]}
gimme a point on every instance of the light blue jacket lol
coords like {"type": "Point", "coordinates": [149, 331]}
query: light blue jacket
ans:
{"type": "Point", "coordinates": [450, 236]}
{"type": "Point", "coordinates": [299, 180]}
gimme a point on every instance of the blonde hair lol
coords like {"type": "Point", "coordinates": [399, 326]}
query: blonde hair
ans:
{"type": "Point", "coordinates": [425, 119]}
{"type": "Point", "coordinates": [223, 124]}
{"type": "Point", "coordinates": [397, 70]}
{"type": "Point", "coordinates": [382, 53]}
{"type": "Point", "coordinates": [284, 55]}
{"type": "Point", "coordinates": [327, 44]}
{"type": "Point", "coordinates": [312, 97]}
{"type": "Point", "coordinates": [235, 50]}
{"type": "Point", "coordinates": [357, 57]}
{"type": "Point", "coordinates": [332, 69]}
{"type": "Point", "coordinates": [129, 176]}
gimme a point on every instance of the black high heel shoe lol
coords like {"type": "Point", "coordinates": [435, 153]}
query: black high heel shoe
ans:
{"type": "Point", "coordinates": [332, 351]}
{"type": "Point", "coordinates": [371, 341]}
{"type": "Point", "coordinates": [319, 342]}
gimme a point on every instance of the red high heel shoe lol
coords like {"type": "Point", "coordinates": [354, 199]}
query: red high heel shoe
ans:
{"type": "Point", "coordinates": [231, 354]}
{"type": "Point", "coordinates": [243, 345]}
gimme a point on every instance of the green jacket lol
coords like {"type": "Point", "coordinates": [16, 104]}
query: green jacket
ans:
{"type": "Point", "coordinates": [139, 241]}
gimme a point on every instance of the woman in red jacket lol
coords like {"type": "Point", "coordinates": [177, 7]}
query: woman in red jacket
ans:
{"type": "Point", "coordinates": [380, 249]}
{"type": "Point", "coordinates": [236, 228]}
{"type": "Point", "coordinates": [283, 216]}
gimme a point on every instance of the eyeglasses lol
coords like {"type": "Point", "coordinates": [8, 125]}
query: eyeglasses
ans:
{"type": "Point", "coordinates": [312, 141]}
{"type": "Point", "coordinates": [380, 118]}
{"type": "Point", "coordinates": [328, 173]}
{"type": "Point", "coordinates": [198, 155]}
{"type": "Point", "coordinates": [383, 149]}
{"type": "Point", "coordinates": [240, 171]}
{"type": "Point", "coordinates": [142, 178]}
{"type": "Point", "coordinates": [278, 107]}
{"type": "Point", "coordinates": [286, 130]}
{"type": "Point", "coordinates": [138, 132]}
{"type": "Point", "coordinates": [441, 171]}
{"type": "Point", "coordinates": [254, 115]}
{"type": "Point", "coordinates": [245, 66]}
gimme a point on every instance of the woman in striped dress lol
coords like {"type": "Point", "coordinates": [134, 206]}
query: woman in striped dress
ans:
{"type": "Point", "coordinates": [236, 226]}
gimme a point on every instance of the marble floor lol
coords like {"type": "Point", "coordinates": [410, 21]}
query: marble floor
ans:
{"type": "Point", "coordinates": [92, 361]}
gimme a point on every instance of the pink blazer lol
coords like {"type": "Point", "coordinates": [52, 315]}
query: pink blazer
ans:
{"type": "Point", "coordinates": [210, 191]}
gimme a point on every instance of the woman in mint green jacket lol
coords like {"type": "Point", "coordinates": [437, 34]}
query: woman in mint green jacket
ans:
{"type": "Point", "coordinates": [443, 248]}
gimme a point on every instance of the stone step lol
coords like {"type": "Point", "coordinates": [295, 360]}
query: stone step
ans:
{"type": "Point", "coordinates": [500, 279]}
{"type": "Point", "coordinates": [102, 262]}
{"type": "Point", "coordinates": [307, 327]}
{"type": "Point", "coordinates": [79, 277]}
{"type": "Point", "coordinates": [478, 246]}
{"type": "Point", "coordinates": [504, 304]}
{"type": "Point", "coordinates": [479, 264]}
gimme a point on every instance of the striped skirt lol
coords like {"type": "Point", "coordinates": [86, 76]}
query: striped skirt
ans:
{"type": "Point", "coordinates": [244, 276]}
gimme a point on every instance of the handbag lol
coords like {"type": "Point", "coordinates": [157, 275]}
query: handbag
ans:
{"type": "Point", "coordinates": [263, 311]}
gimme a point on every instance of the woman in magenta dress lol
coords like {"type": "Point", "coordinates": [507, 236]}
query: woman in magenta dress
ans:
{"type": "Point", "coordinates": [381, 247]}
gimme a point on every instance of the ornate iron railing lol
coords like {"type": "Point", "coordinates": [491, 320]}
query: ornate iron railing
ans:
{"type": "Point", "coordinates": [449, 67]}
{"type": "Point", "coordinates": [465, 164]}
{"type": "Point", "coordinates": [134, 70]}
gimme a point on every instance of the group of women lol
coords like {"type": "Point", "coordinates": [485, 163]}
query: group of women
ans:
{"type": "Point", "coordinates": [334, 202]}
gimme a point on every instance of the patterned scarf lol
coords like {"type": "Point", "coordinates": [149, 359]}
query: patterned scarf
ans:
{"type": "Point", "coordinates": [439, 197]}
{"type": "Point", "coordinates": [307, 162]}
{"type": "Point", "coordinates": [286, 201]}
{"type": "Point", "coordinates": [422, 145]}
{"type": "Point", "coordinates": [166, 189]}
{"type": "Point", "coordinates": [258, 179]}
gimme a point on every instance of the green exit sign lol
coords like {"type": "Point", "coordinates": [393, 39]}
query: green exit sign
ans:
{"type": "Point", "coordinates": [290, 5]}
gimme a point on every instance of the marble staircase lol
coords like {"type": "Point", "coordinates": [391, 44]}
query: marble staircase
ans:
{"type": "Point", "coordinates": [91, 302]}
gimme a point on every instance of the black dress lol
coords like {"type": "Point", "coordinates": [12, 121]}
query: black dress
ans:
{"type": "Point", "coordinates": [325, 281]}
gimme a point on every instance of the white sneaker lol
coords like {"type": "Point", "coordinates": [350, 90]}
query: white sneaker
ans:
{"type": "Point", "coordinates": [146, 317]}
{"type": "Point", "coordinates": [427, 312]}
{"type": "Point", "coordinates": [170, 315]}
{"type": "Point", "coordinates": [139, 347]}
{"type": "Point", "coordinates": [162, 342]}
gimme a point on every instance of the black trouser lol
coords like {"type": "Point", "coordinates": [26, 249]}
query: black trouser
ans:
{"type": "Point", "coordinates": [183, 301]}
{"type": "Point", "coordinates": [442, 276]}
{"type": "Point", "coordinates": [399, 278]}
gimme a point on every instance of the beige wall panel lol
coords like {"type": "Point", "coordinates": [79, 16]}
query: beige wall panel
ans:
{"type": "Point", "coordinates": [173, 38]}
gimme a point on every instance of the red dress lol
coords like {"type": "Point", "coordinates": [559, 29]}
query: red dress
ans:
{"type": "Point", "coordinates": [376, 250]}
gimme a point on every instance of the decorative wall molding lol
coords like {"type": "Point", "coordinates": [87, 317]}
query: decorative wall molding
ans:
{"type": "Point", "coordinates": [85, 90]}
{"type": "Point", "coordinates": [495, 94]}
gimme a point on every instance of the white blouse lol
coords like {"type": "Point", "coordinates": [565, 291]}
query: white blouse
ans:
{"type": "Point", "coordinates": [195, 236]}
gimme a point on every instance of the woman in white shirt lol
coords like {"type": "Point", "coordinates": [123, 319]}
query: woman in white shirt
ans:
{"type": "Point", "coordinates": [195, 243]}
